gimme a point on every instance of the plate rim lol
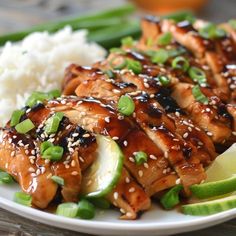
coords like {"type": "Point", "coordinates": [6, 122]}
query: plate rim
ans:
{"type": "Point", "coordinates": [83, 225]}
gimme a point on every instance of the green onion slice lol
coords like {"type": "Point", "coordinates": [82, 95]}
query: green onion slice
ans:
{"type": "Point", "coordinates": [149, 42]}
{"type": "Point", "coordinates": [54, 93]}
{"type": "Point", "coordinates": [54, 153]}
{"type": "Point", "coordinates": [171, 198]}
{"type": "Point", "coordinates": [198, 95]}
{"type": "Point", "coordinates": [211, 31]}
{"type": "Point", "coordinates": [68, 209]}
{"type": "Point", "coordinates": [86, 210]}
{"type": "Point", "coordinates": [160, 56]}
{"type": "Point", "coordinates": [117, 50]}
{"type": "Point", "coordinates": [165, 81]}
{"type": "Point", "coordinates": [197, 75]}
{"type": "Point", "coordinates": [181, 16]}
{"type": "Point", "coordinates": [109, 73]}
{"type": "Point", "coordinates": [126, 105]}
{"type": "Point", "coordinates": [16, 116]}
{"type": "Point", "coordinates": [134, 65]}
{"type": "Point", "coordinates": [164, 39]}
{"type": "Point", "coordinates": [127, 41]}
{"type": "Point", "coordinates": [52, 124]}
{"type": "Point", "coordinates": [44, 146]}
{"type": "Point", "coordinates": [23, 198]}
{"type": "Point", "coordinates": [58, 180]}
{"type": "Point", "coordinates": [25, 126]}
{"type": "Point", "coordinates": [121, 65]}
{"type": "Point", "coordinates": [140, 157]}
{"type": "Point", "coordinates": [180, 63]}
{"type": "Point", "coordinates": [5, 178]}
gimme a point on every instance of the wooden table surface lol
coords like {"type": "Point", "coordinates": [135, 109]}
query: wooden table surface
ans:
{"type": "Point", "coordinates": [20, 14]}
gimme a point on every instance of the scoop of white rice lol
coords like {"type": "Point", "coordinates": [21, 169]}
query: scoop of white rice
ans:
{"type": "Point", "coordinates": [38, 64]}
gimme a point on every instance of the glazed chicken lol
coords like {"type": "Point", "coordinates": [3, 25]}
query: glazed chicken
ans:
{"type": "Point", "coordinates": [180, 132]}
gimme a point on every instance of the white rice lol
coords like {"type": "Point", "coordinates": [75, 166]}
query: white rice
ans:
{"type": "Point", "coordinates": [38, 64]}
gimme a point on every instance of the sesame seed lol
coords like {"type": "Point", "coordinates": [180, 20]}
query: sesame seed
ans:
{"type": "Point", "coordinates": [177, 113]}
{"type": "Point", "coordinates": [43, 169]}
{"type": "Point", "coordinates": [13, 153]}
{"type": "Point", "coordinates": [86, 135]}
{"type": "Point", "coordinates": [74, 173]}
{"type": "Point", "coordinates": [75, 135]}
{"type": "Point", "coordinates": [38, 172]}
{"type": "Point", "coordinates": [122, 210]}
{"type": "Point", "coordinates": [208, 109]}
{"type": "Point", "coordinates": [178, 181]}
{"type": "Point", "coordinates": [128, 214]}
{"type": "Point", "coordinates": [146, 85]}
{"type": "Point", "coordinates": [68, 127]}
{"type": "Point", "coordinates": [33, 175]}
{"type": "Point", "coordinates": [71, 150]}
{"type": "Point", "coordinates": [140, 173]}
{"type": "Point", "coordinates": [234, 133]}
{"type": "Point", "coordinates": [131, 190]}
{"type": "Point", "coordinates": [81, 159]}
{"type": "Point", "coordinates": [14, 137]}
{"type": "Point", "coordinates": [42, 136]}
{"type": "Point", "coordinates": [67, 166]}
{"type": "Point", "coordinates": [127, 180]}
{"type": "Point", "coordinates": [115, 91]}
{"type": "Point", "coordinates": [153, 157]}
{"type": "Point", "coordinates": [166, 154]}
{"type": "Point", "coordinates": [176, 140]}
{"type": "Point", "coordinates": [107, 119]}
{"type": "Point", "coordinates": [31, 169]}
{"type": "Point", "coordinates": [114, 203]}
{"type": "Point", "coordinates": [115, 138]}
{"type": "Point", "coordinates": [33, 152]}
{"type": "Point", "coordinates": [120, 117]}
{"type": "Point", "coordinates": [190, 129]}
{"type": "Point", "coordinates": [198, 129]}
{"type": "Point", "coordinates": [200, 143]}
{"type": "Point", "coordinates": [47, 161]}
{"type": "Point", "coordinates": [83, 113]}
{"type": "Point", "coordinates": [73, 164]}
{"type": "Point", "coordinates": [31, 161]}
{"type": "Point", "coordinates": [185, 135]}
{"type": "Point", "coordinates": [164, 171]}
{"type": "Point", "coordinates": [209, 133]}
{"type": "Point", "coordinates": [115, 195]}
{"type": "Point", "coordinates": [145, 164]}
{"type": "Point", "coordinates": [125, 143]}
{"type": "Point", "coordinates": [131, 159]}
{"type": "Point", "coordinates": [152, 95]}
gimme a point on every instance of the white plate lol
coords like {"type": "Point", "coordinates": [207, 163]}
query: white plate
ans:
{"type": "Point", "coordinates": [153, 222]}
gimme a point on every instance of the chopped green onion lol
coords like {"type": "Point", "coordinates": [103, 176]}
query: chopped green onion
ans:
{"type": "Point", "coordinates": [198, 95]}
{"type": "Point", "coordinates": [197, 75]}
{"type": "Point", "coordinates": [52, 124]}
{"type": "Point", "coordinates": [176, 52]}
{"type": "Point", "coordinates": [37, 97]}
{"type": "Point", "coordinates": [117, 50]}
{"type": "Point", "coordinates": [134, 65]}
{"type": "Point", "coordinates": [164, 39]}
{"type": "Point", "coordinates": [181, 16]}
{"type": "Point", "coordinates": [24, 126]}
{"type": "Point", "coordinates": [5, 178]}
{"type": "Point", "coordinates": [86, 210]}
{"type": "Point", "coordinates": [126, 105]}
{"type": "Point", "coordinates": [101, 203]}
{"type": "Point", "coordinates": [164, 80]}
{"type": "Point", "coordinates": [232, 23]}
{"type": "Point", "coordinates": [211, 31]}
{"type": "Point", "coordinates": [16, 116]}
{"type": "Point", "coordinates": [160, 56]}
{"type": "Point", "coordinates": [109, 73]}
{"type": "Point", "coordinates": [140, 157]}
{"type": "Point", "coordinates": [54, 153]}
{"type": "Point", "coordinates": [127, 41]}
{"type": "Point", "coordinates": [67, 209]}
{"type": "Point", "coordinates": [180, 63]}
{"type": "Point", "coordinates": [55, 93]}
{"type": "Point", "coordinates": [58, 180]}
{"type": "Point", "coordinates": [44, 146]}
{"type": "Point", "coordinates": [171, 198]}
{"type": "Point", "coordinates": [119, 66]}
{"type": "Point", "coordinates": [23, 198]}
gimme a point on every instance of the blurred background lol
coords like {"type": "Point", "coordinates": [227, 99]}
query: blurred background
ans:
{"type": "Point", "coordinates": [20, 14]}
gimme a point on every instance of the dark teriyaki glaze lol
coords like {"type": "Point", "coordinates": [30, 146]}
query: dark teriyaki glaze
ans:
{"type": "Point", "coordinates": [222, 111]}
{"type": "Point", "coordinates": [167, 102]}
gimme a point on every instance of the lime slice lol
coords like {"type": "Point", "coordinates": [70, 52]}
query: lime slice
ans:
{"type": "Point", "coordinates": [224, 166]}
